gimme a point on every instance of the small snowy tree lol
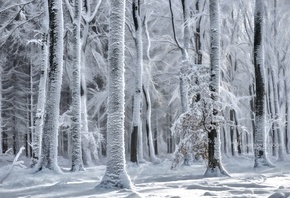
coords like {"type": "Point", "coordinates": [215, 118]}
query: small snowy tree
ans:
{"type": "Point", "coordinates": [192, 126]}
{"type": "Point", "coordinates": [116, 175]}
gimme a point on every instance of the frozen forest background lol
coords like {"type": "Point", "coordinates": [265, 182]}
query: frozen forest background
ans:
{"type": "Point", "coordinates": [202, 79]}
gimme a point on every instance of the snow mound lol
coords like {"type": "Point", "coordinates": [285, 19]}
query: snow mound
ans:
{"type": "Point", "coordinates": [278, 195]}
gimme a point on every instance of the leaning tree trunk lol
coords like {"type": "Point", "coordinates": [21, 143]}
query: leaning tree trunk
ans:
{"type": "Point", "coordinates": [116, 175]}
{"type": "Point", "coordinates": [137, 146]}
{"type": "Point", "coordinates": [77, 164]}
{"type": "Point", "coordinates": [260, 105]}
{"type": "Point", "coordinates": [214, 167]}
{"type": "Point", "coordinates": [48, 154]}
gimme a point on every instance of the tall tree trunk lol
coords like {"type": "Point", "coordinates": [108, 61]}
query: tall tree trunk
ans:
{"type": "Point", "coordinates": [281, 144]}
{"type": "Point", "coordinates": [116, 175]}
{"type": "Point", "coordinates": [77, 164]}
{"type": "Point", "coordinates": [260, 106]}
{"type": "Point", "coordinates": [214, 166]}
{"type": "Point", "coordinates": [1, 129]}
{"type": "Point", "coordinates": [183, 82]}
{"type": "Point", "coordinates": [89, 147]}
{"type": "Point", "coordinates": [37, 133]}
{"type": "Point", "coordinates": [197, 36]}
{"type": "Point", "coordinates": [48, 156]}
{"type": "Point", "coordinates": [287, 115]}
{"type": "Point", "coordinates": [137, 145]}
{"type": "Point", "coordinates": [232, 132]}
{"type": "Point", "coordinates": [270, 109]}
{"type": "Point", "coordinates": [280, 137]}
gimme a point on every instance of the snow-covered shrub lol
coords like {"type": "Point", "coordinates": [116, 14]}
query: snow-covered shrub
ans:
{"type": "Point", "coordinates": [192, 127]}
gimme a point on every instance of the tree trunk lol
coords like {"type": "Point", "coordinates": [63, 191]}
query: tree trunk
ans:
{"type": "Point", "coordinates": [77, 163]}
{"type": "Point", "coordinates": [232, 132]}
{"type": "Point", "coordinates": [197, 37]}
{"type": "Point", "coordinates": [37, 133]}
{"type": "Point", "coordinates": [260, 106]}
{"type": "Point", "coordinates": [148, 122]}
{"type": "Point", "coordinates": [137, 130]}
{"type": "Point", "coordinates": [116, 175]}
{"type": "Point", "coordinates": [183, 82]}
{"type": "Point", "coordinates": [287, 115]}
{"type": "Point", "coordinates": [48, 156]}
{"type": "Point", "coordinates": [214, 166]}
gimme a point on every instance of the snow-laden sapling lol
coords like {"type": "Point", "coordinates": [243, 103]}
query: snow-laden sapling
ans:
{"type": "Point", "coordinates": [191, 127]}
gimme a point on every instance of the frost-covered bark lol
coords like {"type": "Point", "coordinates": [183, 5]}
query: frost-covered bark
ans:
{"type": "Point", "coordinates": [148, 120]}
{"type": "Point", "coordinates": [214, 167]}
{"type": "Point", "coordinates": [77, 163]}
{"type": "Point", "coordinates": [185, 60]}
{"type": "Point", "coordinates": [183, 74]}
{"type": "Point", "coordinates": [197, 35]}
{"type": "Point", "coordinates": [116, 175]}
{"type": "Point", "coordinates": [48, 153]}
{"type": "Point", "coordinates": [260, 105]}
{"type": "Point", "coordinates": [137, 146]}
{"type": "Point", "coordinates": [281, 145]}
{"type": "Point", "coordinates": [89, 147]}
{"type": "Point", "coordinates": [1, 136]}
{"type": "Point", "coordinates": [37, 133]}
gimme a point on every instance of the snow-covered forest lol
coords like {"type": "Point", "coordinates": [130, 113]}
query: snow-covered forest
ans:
{"type": "Point", "coordinates": [144, 98]}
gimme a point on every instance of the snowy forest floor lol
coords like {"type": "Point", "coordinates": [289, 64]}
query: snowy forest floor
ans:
{"type": "Point", "coordinates": [152, 180]}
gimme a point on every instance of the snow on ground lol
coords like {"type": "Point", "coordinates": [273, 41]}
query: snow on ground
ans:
{"type": "Point", "coordinates": [152, 181]}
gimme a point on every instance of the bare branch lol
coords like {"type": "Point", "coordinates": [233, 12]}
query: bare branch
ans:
{"type": "Point", "coordinates": [14, 5]}
{"type": "Point", "coordinates": [173, 25]}
{"type": "Point", "coordinates": [95, 12]}
{"type": "Point", "coordinates": [12, 31]}
{"type": "Point", "coordinates": [70, 9]}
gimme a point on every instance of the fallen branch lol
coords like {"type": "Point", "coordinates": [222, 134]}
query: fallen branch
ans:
{"type": "Point", "coordinates": [14, 163]}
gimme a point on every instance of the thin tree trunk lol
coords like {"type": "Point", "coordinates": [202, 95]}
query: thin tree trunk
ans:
{"type": "Point", "coordinates": [37, 133]}
{"type": "Point", "coordinates": [77, 164]}
{"type": "Point", "coordinates": [287, 115]}
{"type": "Point", "coordinates": [183, 82]}
{"type": "Point", "coordinates": [1, 129]}
{"type": "Point", "coordinates": [197, 37]}
{"type": "Point", "coordinates": [137, 130]}
{"type": "Point", "coordinates": [271, 109]}
{"type": "Point", "coordinates": [232, 132]}
{"type": "Point", "coordinates": [148, 122]}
